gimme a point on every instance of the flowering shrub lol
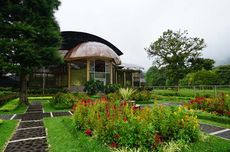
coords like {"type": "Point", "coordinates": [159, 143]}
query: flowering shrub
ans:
{"type": "Point", "coordinates": [122, 125]}
{"type": "Point", "coordinates": [219, 105]}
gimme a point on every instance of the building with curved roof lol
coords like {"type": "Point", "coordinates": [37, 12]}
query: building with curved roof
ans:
{"type": "Point", "coordinates": [88, 57]}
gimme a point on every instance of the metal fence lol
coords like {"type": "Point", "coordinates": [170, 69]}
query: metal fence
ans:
{"type": "Point", "coordinates": [192, 91]}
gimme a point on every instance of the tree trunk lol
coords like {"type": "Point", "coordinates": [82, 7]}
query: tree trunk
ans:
{"type": "Point", "coordinates": [23, 89]}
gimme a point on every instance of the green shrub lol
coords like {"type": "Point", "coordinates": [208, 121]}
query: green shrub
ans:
{"type": "Point", "coordinates": [10, 105]}
{"type": "Point", "coordinates": [142, 96]}
{"type": "Point", "coordinates": [111, 88]}
{"type": "Point", "coordinates": [6, 96]}
{"type": "Point", "coordinates": [92, 87]}
{"type": "Point", "coordinates": [114, 96]}
{"type": "Point", "coordinates": [63, 100]}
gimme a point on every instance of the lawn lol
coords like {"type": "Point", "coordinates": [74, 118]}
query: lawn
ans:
{"type": "Point", "coordinates": [63, 137]}
{"type": "Point", "coordinates": [61, 130]}
{"type": "Point", "coordinates": [6, 130]}
{"type": "Point", "coordinates": [48, 108]}
{"type": "Point", "coordinates": [13, 106]}
{"type": "Point", "coordinates": [211, 144]}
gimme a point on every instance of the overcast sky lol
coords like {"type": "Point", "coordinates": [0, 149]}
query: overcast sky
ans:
{"type": "Point", "coordinates": [131, 25]}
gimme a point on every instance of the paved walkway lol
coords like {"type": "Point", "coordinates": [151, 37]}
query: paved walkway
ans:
{"type": "Point", "coordinates": [30, 135]}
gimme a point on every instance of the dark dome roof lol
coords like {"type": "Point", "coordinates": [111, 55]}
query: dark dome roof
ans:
{"type": "Point", "coordinates": [71, 39]}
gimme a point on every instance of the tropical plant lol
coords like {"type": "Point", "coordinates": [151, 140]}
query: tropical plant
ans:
{"type": "Point", "coordinates": [126, 93]}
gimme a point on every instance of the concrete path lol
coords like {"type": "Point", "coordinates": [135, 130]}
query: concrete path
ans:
{"type": "Point", "coordinates": [30, 135]}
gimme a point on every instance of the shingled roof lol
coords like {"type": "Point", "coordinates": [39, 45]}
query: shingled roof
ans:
{"type": "Point", "coordinates": [72, 39]}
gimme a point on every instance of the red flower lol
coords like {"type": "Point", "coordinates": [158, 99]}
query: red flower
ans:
{"type": "Point", "coordinates": [158, 139]}
{"type": "Point", "coordinates": [114, 145]}
{"type": "Point", "coordinates": [88, 132]}
{"type": "Point", "coordinates": [125, 119]}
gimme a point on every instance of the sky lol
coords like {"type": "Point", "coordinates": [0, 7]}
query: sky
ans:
{"type": "Point", "coordinates": [132, 25]}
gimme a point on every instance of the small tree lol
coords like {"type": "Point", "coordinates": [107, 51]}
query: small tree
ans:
{"type": "Point", "coordinates": [173, 50]}
{"type": "Point", "coordinates": [29, 37]}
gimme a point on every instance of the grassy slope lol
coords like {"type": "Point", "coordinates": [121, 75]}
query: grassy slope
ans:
{"type": "Point", "coordinates": [62, 137]}
{"type": "Point", "coordinates": [6, 130]}
{"type": "Point", "coordinates": [20, 109]}
{"type": "Point", "coordinates": [212, 144]}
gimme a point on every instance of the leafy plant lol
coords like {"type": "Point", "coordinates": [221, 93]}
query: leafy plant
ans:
{"type": "Point", "coordinates": [62, 100]}
{"type": "Point", "coordinates": [126, 93]}
{"type": "Point", "coordinates": [92, 87]}
{"type": "Point", "coordinates": [142, 96]}
{"type": "Point", "coordinates": [111, 88]}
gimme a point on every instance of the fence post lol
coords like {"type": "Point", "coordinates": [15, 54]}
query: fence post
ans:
{"type": "Point", "coordinates": [194, 91]}
{"type": "Point", "coordinates": [215, 91]}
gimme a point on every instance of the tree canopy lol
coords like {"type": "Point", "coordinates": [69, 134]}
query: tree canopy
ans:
{"type": "Point", "coordinates": [29, 37]}
{"type": "Point", "coordinates": [173, 50]}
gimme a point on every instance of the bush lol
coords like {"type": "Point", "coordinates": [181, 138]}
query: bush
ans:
{"type": "Point", "coordinates": [122, 125]}
{"type": "Point", "coordinates": [47, 91]}
{"type": "Point", "coordinates": [63, 100]}
{"type": "Point", "coordinates": [113, 97]}
{"type": "Point", "coordinates": [219, 105]}
{"type": "Point", "coordinates": [142, 96]}
{"type": "Point", "coordinates": [92, 87]}
{"type": "Point", "coordinates": [111, 88]}
{"type": "Point", "coordinates": [10, 105]}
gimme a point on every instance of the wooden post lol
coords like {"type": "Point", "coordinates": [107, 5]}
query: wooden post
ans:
{"type": "Point", "coordinates": [124, 79]}
{"type": "Point", "coordinates": [69, 68]}
{"type": "Point", "coordinates": [111, 73]}
{"type": "Point", "coordinates": [132, 79]}
{"type": "Point", "coordinates": [88, 69]}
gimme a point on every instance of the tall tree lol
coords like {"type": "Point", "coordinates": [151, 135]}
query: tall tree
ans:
{"type": "Point", "coordinates": [173, 50]}
{"type": "Point", "coordinates": [198, 64]}
{"type": "Point", "coordinates": [29, 37]}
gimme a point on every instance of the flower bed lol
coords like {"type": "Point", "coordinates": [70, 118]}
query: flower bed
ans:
{"type": "Point", "coordinates": [219, 105]}
{"type": "Point", "coordinates": [122, 125]}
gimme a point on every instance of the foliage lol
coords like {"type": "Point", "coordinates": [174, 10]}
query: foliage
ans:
{"type": "Point", "coordinates": [6, 96]}
{"type": "Point", "coordinates": [111, 88]}
{"type": "Point", "coordinates": [219, 105]}
{"type": "Point", "coordinates": [47, 91]}
{"type": "Point", "coordinates": [113, 97]}
{"type": "Point", "coordinates": [173, 51]}
{"type": "Point", "coordinates": [197, 64]}
{"type": "Point", "coordinates": [62, 100]}
{"type": "Point", "coordinates": [202, 77]}
{"type": "Point", "coordinates": [29, 38]}
{"type": "Point", "coordinates": [223, 73]}
{"type": "Point", "coordinates": [10, 105]}
{"type": "Point", "coordinates": [1, 121]}
{"type": "Point", "coordinates": [92, 87]}
{"type": "Point", "coordinates": [63, 137]}
{"type": "Point", "coordinates": [122, 125]}
{"type": "Point", "coordinates": [126, 93]}
{"type": "Point", "coordinates": [155, 76]}
{"type": "Point", "coordinates": [142, 96]}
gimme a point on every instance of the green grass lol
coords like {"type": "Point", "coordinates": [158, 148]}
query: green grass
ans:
{"type": "Point", "coordinates": [6, 130]}
{"type": "Point", "coordinates": [12, 107]}
{"type": "Point", "coordinates": [211, 144]}
{"type": "Point", "coordinates": [213, 117]}
{"type": "Point", "coordinates": [63, 137]}
{"type": "Point", "coordinates": [40, 98]}
{"type": "Point", "coordinates": [48, 108]}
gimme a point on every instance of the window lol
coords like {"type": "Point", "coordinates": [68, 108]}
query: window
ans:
{"type": "Point", "coordinates": [100, 70]}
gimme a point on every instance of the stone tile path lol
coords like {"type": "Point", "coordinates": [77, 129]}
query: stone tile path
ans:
{"type": "Point", "coordinates": [30, 135]}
